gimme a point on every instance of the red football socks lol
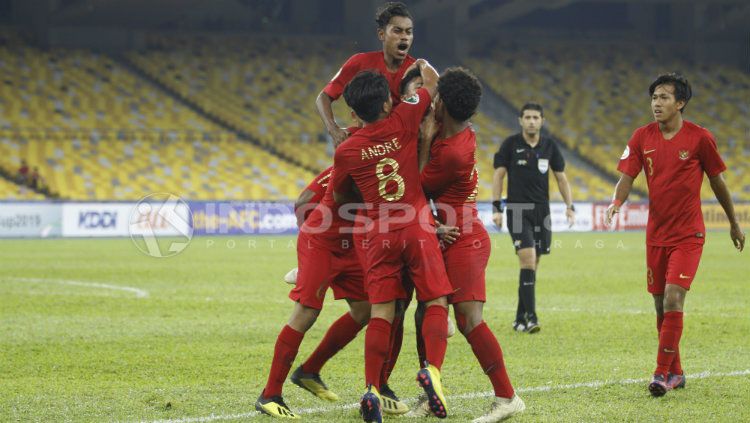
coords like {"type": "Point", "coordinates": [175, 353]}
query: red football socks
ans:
{"type": "Point", "coordinates": [676, 367]}
{"type": "Point", "coordinates": [490, 356]}
{"type": "Point", "coordinates": [394, 349]}
{"type": "Point", "coordinates": [669, 341]}
{"type": "Point", "coordinates": [377, 339]}
{"type": "Point", "coordinates": [421, 355]}
{"type": "Point", "coordinates": [341, 333]}
{"type": "Point", "coordinates": [287, 345]}
{"type": "Point", "coordinates": [435, 333]}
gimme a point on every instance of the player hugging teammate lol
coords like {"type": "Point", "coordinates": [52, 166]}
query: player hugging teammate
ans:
{"type": "Point", "coordinates": [378, 165]}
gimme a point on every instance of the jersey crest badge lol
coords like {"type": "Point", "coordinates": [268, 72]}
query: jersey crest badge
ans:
{"type": "Point", "coordinates": [414, 99]}
{"type": "Point", "coordinates": [684, 154]}
{"type": "Point", "coordinates": [543, 165]}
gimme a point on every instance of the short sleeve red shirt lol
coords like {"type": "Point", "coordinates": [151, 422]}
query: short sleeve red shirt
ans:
{"type": "Point", "coordinates": [368, 61]}
{"type": "Point", "coordinates": [319, 184]}
{"type": "Point", "coordinates": [450, 177]}
{"type": "Point", "coordinates": [381, 159]}
{"type": "Point", "coordinates": [674, 173]}
{"type": "Point", "coordinates": [326, 220]}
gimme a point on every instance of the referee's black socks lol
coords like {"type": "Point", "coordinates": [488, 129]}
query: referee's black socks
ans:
{"type": "Point", "coordinates": [526, 284]}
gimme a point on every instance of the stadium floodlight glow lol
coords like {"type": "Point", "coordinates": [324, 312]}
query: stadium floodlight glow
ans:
{"type": "Point", "coordinates": [161, 225]}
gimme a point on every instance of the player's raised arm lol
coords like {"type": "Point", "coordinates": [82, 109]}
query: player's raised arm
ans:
{"type": "Point", "coordinates": [721, 192]}
{"type": "Point", "coordinates": [622, 191]}
{"type": "Point", "coordinates": [429, 76]}
{"type": "Point", "coordinates": [325, 110]}
{"type": "Point", "coordinates": [427, 132]}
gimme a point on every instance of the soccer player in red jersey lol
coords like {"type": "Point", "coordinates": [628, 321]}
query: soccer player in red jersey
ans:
{"type": "Point", "coordinates": [395, 28]}
{"type": "Point", "coordinates": [326, 257]}
{"type": "Point", "coordinates": [312, 195]}
{"type": "Point", "coordinates": [306, 202]}
{"type": "Point", "coordinates": [450, 177]}
{"type": "Point", "coordinates": [381, 161]}
{"type": "Point", "coordinates": [673, 153]}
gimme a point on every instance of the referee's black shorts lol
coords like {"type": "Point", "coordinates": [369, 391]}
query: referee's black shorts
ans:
{"type": "Point", "coordinates": [530, 226]}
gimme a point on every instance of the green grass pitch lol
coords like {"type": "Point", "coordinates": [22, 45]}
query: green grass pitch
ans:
{"type": "Point", "coordinates": [192, 340]}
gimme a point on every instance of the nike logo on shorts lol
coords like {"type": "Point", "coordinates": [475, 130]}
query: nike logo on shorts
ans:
{"type": "Point", "coordinates": [684, 277]}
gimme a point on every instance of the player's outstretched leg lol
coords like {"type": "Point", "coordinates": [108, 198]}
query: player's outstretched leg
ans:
{"type": "Point", "coordinates": [285, 351]}
{"type": "Point", "coordinates": [435, 331]}
{"type": "Point", "coordinates": [675, 376]}
{"type": "Point", "coordinates": [490, 357]}
{"type": "Point", "coordinates": [391, 403]}
{"type": "Point", "coordinates": [669, 338]}
{"type": "Point", "coordinates": [339, 335]}
{"type": "Point", "coordinates": [377, 340]}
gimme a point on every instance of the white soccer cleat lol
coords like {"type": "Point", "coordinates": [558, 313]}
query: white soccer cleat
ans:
{"type": "Point", "coordinates": [502, 408]}
{"type": "Point", "coordinates": [421, 408]}
{"type": "Point", "coordinates": [291, 277]}
{"type": "Point", "coordinates": [451, 327]}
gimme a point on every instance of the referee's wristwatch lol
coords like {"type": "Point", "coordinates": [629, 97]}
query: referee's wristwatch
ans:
{"type": "Point", "coordinates": [498, 206]}
{"type": "Point", "coordinates": [572, 207]}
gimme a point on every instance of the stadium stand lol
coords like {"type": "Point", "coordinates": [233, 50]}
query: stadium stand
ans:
{"type": "Point", "coordinates": [596, 97]}
{"type": "Point", "coordinates": [126, 165]}
{"type": "Point", "coordinates": [263, 87]}
{"type": "Point", "coordinates": [84, 118]}
{"type": "Point", "coordinates": [98, 131]}
{"type": "Point", "coordinates": [12, 191]}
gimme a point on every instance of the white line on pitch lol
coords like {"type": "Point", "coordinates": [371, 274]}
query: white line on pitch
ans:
{"type": "Point", "coordinates": [139, 293]}
{"type": "Point", "coordinates": [470, 395]}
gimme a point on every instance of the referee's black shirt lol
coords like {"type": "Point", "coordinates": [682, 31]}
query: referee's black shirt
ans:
{"type": "Point", "coordinates": [528, 168]}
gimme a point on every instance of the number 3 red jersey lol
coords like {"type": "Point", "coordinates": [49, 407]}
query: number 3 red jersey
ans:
{"type": "Point", "coordinates": [381, 159]}
{"type": "Point", "coordinates": [450, 179]}
{"type": "Point", "coordinates": [674, 173]}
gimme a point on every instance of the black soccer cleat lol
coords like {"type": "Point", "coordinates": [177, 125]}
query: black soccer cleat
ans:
{"type": "Point", "coordinates": [274, 407]}
{"type": "Point", "coordinates": [658, 386]}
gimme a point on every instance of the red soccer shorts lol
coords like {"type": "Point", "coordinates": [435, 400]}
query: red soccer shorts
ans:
{"type": "Point", "coordinates": [675, 265]}
{"type": "Point", "coordinates": [414, 248]}
{"type": "Point", "coordinates": [323, 263]}
{"type": "Point", "coordinates": [465, 262]}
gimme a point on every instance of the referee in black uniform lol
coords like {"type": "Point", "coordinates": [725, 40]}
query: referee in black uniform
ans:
{"type": "Point", "coordinates": [527, 158]}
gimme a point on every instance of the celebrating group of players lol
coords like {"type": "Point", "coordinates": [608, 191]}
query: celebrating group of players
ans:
{"type": "Point", "coordinates": [415, 140]}
{"type": "Point", "coordinates": [370, 233]}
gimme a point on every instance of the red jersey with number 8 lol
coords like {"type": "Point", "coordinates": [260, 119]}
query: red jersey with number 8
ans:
{"type": "Point", "coordinates": [674, 172]}
{"type": "Point", "coordinates": [381, 159]}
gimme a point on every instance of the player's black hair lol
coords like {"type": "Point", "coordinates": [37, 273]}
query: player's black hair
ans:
{"type": "Point", "coordinates": [366, 93]}
{"type": "Point", "coordinates": [414, 73]}
{"type": "Point", "coordinates": [531, 106]}
{"type": "Point", "coordinates": [460, 91]}
{"type": "Point", "coordinates": [389, 10]}
{"type": "Point", "coordinates": [682, 90]}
